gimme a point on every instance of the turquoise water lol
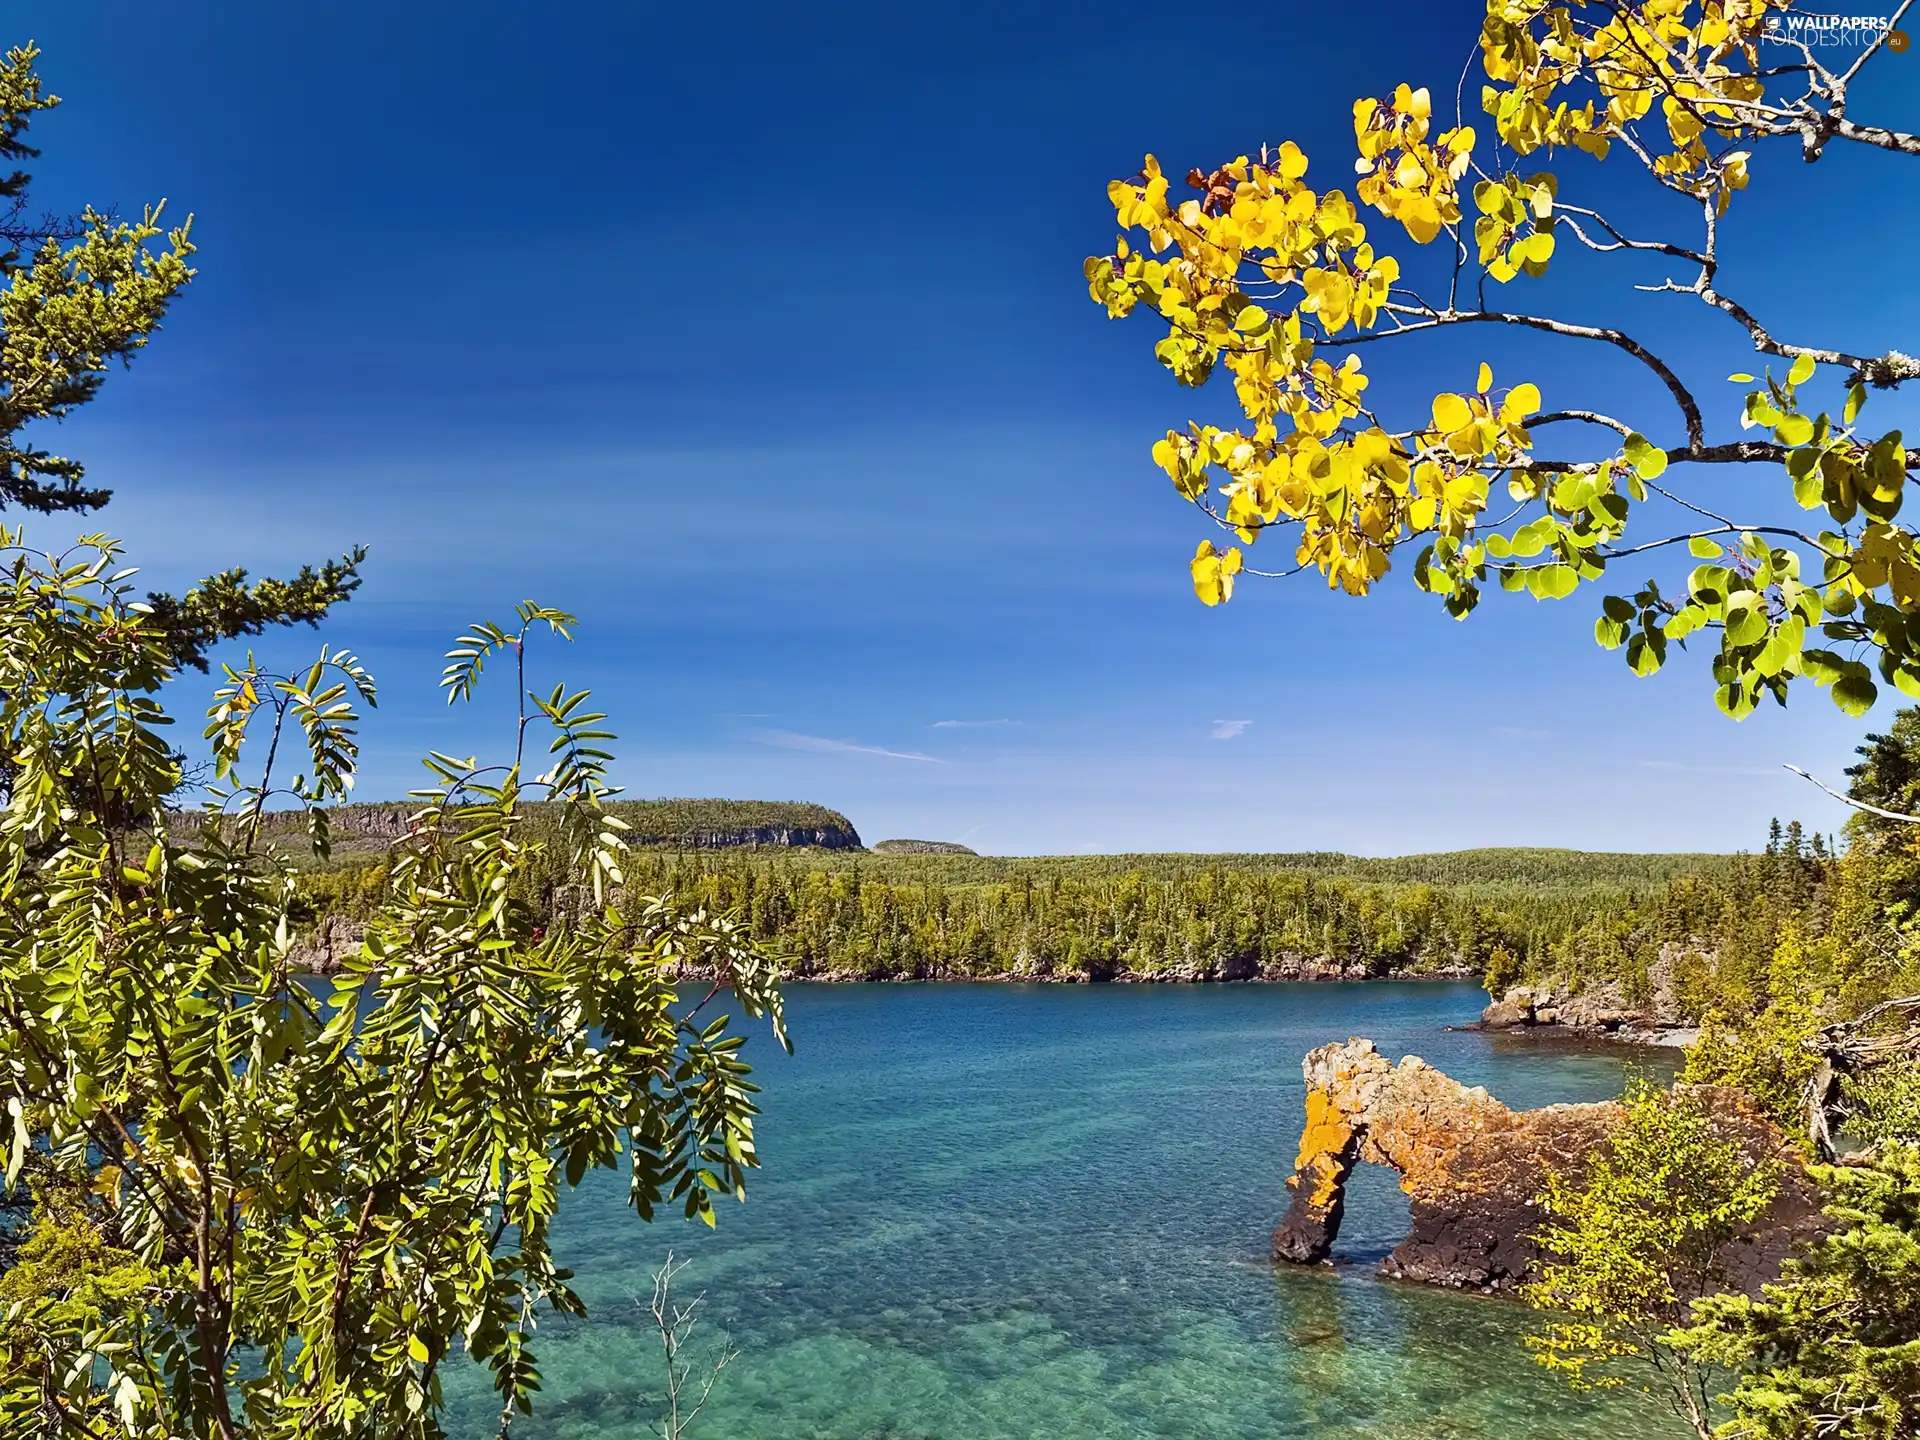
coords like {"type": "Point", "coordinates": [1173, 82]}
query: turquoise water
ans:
{"type": "Point", "coordinates": [1015, 1211]}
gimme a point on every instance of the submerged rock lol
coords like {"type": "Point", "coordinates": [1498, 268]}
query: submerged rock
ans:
{"type": "Point", "coordinates": [1473, 1169]}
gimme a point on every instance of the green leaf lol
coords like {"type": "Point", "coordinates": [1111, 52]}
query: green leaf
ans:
{"type": "Point", "coordinates": [1809, 479]}
{"type": "Point", "coordinates": [1646, 652]}
{"type": "Point", "coordinates": [1648, 460]}
{"type": "Point", "coordinates": [1793, 430]}
{"type": "Point", "coordinates": [1746, 618]}
{"type": "Point", "coordinates": [1710, 585]}
{"type": "Point", "coordinates": [1802, 370]}
{"type": "Point", "coordinates": [1704, 548]}
{"type": "Point", "coordinates": [1856, 399]}
{"type": "Point", "coordinates": [1553, 582]}
{"type": "Point", "coordinates": [1823, 667]}
{"type": "Point", "coordinates": [1530, 539]}
{"type": "Point", "coordinates": [1781, 653]}
{"type": "Point", "coordinates": [1735, 701]}
{"type": "Point", "coordinates": [1683, 623]}
{"type": "Point", "coordinates": [1854, 692]}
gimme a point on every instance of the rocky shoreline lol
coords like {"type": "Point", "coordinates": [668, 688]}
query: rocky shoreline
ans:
{"type": "Point", "coordinates": [1551, 1011]}
{"type": "Point", "coordinates": [325, 948]}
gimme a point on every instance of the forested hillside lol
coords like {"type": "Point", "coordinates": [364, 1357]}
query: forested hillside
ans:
{"type": "Point", "coordinates": [1174, 916]}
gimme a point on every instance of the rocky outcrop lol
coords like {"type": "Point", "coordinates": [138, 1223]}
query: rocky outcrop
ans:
{"type": "Point", "coordinates": [325, 948]}
{"type": "Point", "coordinates": [923, 847]}
{"type": "Point", "coordinates": [1602, 1010]}
{"type": "Point", "coordinates": [824, 837]}
{"type": "Point", "coordinates": [1595, 1008]}
{"type": "Point", "coordinates": [1473, 1168]}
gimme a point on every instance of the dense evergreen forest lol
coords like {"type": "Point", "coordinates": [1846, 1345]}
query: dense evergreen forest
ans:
{"type": "Point", "coordinates": [1504, 913]}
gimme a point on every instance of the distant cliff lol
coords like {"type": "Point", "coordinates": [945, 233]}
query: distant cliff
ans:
{"type": "Point", "coordinates": [723, 824]}
{"type": "Point", "coordinates": [667, 824]}
{"type": "Point", "coordinates": [923, 847]}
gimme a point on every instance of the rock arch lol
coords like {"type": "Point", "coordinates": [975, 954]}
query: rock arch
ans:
{"type": "Point", "coordinates": [1472, 1168]}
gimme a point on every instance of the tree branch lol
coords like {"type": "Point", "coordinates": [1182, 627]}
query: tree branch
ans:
{"type": "Point", "coordinates": [1856, 804]}
{"type": "Point", "coordinates": [1683, 397]}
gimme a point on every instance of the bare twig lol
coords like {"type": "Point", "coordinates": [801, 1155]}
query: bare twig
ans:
{"type": "Point", "coordinates": [1856, 804]}
{"type": "Point", "coordinates": [676, 1324]}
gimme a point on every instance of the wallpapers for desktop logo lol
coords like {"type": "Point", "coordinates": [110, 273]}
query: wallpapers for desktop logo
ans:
{"type": "Point", "coordinates": [1853, 32]}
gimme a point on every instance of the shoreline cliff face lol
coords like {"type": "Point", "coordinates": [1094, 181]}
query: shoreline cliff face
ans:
{"type": "Point", "coordinates": [1473, 1169]}
{"type": "Point", "coordinates": [1598, 1010]}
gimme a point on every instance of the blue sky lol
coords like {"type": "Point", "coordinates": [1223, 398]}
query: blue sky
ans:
{"type": "Point", "coordinates": [756, 336]}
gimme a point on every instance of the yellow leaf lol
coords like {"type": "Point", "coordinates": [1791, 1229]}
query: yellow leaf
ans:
{"type": "Point", "coordinates": [1213, 573]}
{"type": "Point", "coordinates": [1522, 400]}
{"type": "Point", "coordinates": [1451, 413]}
{"type": "Point", "coordinates": [1486, 377]}
{"type": "Point", "coordinates": [1422, 219]}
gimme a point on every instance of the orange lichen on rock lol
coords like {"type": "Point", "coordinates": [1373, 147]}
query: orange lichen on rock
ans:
{"type": "Point", "coordinates": [1327, 1131]}
{"type": "Point", "coordinates": [1325, 1143]}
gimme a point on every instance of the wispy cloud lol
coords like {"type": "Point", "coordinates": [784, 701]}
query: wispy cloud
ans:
{"type": "Point", "coordinates": [820, 745]}
{"type": "Point", "coordinates": [970, 724]}
{"type": "Point", "coordinates": [1520, 732]}
{"type": "Point", "coordinates": [1676, 765]}
{"type": "Point", "coordinates": [1230, 729]}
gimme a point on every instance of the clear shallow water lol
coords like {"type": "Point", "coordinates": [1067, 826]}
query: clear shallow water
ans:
{"type": "Point", "coordinates": [1014, 1211]}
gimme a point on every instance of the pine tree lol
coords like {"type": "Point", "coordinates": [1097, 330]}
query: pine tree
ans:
{"type": "Point", "coordinates": [80, 294]}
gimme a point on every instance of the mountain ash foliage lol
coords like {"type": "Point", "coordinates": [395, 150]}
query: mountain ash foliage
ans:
{"type": "Point", "coordinates": [271, 1206]}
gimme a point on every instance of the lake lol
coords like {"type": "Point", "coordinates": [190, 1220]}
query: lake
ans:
{"type": "Point", "coordinates": [1015, 1211]}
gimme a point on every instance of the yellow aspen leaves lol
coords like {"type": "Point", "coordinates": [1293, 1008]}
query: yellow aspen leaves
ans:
{"type": "Point", "coordinates": [1329, 296]}
{"type": "Point", "coordinates": [1522, 401]}
{"type": "Point", "coordinates": [1451, 413]}
{"type": "Point", "coordinates": [1213, 573]}
{"type": "Point", "coordinates": [1143, 203]}
{"type": "Point", "coordinates": [1515, 228]}
{"type": "Point", "coordinates": [1257, 270]}
{"type": "Point", "coordinates": [1885, 556]}
{"type": "Point", "coordinates": [1401, 175]}
{"type": "Point", "coordinates": [1701, 61]}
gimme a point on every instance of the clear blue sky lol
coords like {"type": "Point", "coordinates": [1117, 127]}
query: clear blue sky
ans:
{"type": "Point", "coordinates": [756, 335]}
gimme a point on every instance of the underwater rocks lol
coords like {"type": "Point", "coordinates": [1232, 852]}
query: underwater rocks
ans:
{"type": "Point", "coordinates": [1473, 1168]}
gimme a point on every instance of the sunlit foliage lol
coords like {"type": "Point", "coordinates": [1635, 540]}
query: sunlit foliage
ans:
{"type": "Point", "coordinates": [1832, 1352]}
{"type": "Point", "coordinates": [1633, 1242]}
{"type": "Point", "coordinates": [275, 1206]}
{"type": "Point", "coordinates": [1281, 283]}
